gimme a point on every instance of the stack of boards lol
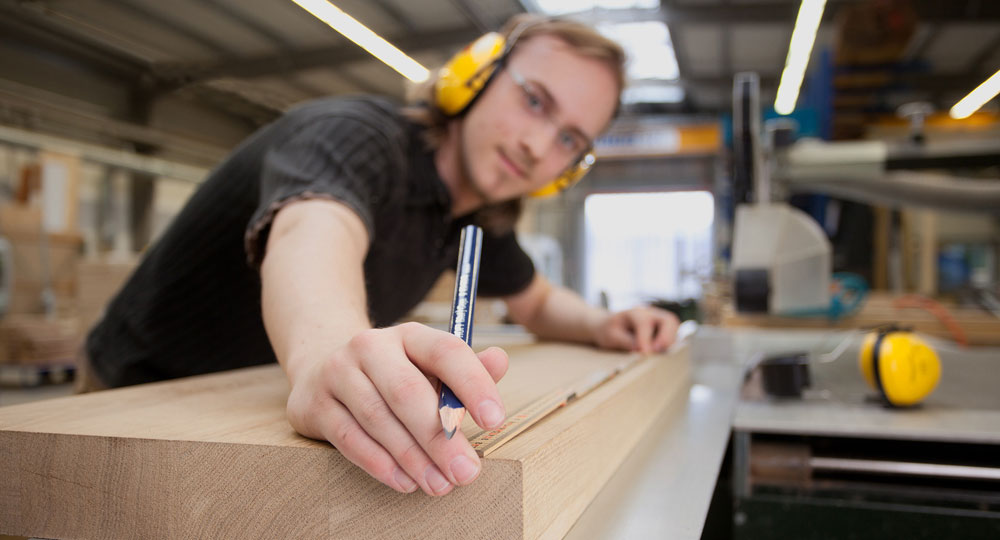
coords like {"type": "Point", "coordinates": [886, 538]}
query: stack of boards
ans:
{"type": "Point", "coordinates": [213, 456]}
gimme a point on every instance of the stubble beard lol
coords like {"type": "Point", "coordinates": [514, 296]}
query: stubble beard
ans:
{"type": "Point", "coordinates": [465, 163]}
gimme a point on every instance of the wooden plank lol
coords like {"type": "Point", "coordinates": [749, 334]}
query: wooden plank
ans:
{"type": "Point", "coordinates": [213, 456]}
{"type": "Point", "coordinates": [34, 257]}
{"type": "Point", "coordinates": [928, 280]}
{"type": "Point", "coordinates": [60, 175]}
{"type": "Point", "coordinates": [99, 281]}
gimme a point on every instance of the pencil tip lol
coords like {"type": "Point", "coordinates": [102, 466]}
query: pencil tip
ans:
{"type": "Point", "coordinates": [451, 419]}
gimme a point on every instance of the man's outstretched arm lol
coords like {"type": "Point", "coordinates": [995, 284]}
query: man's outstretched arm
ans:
{"type": "Point", "coordinates": [368, 391]}
{"type": "Point", "coordinates": [554, 312]}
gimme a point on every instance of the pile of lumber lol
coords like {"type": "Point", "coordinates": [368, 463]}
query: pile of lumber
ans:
{"type": "Point", "coordinates": [979, 326]}
{"type": "Point", "coordinates": [38, 340]}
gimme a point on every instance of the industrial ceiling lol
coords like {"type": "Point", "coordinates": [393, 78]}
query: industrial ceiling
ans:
{"type": "Point", "coordinates": [103, 64]}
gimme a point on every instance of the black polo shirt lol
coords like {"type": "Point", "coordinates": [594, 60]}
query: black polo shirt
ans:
{"type": "Point", "coordinates": [193, 304]}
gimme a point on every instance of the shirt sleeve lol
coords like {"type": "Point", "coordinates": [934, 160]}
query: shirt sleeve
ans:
{"type": "Point", "coordinates": [342, 158]}
{"type": "Point", "coordinates": [505, 268]}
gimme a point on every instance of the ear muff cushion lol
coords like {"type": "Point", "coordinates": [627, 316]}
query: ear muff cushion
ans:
{"type": "Point", "coordinates": [909, 368]}
{"type": "Point", "coordinates": [901, 366]}
{"type": "Point", "coordinates": [567, 179]}
{"type": "Point", "coordinates": [464, 76]}
{"type": "Point", "coordinates": [877, 366]}
{"type": "Point", "coordinates": [866, 360]}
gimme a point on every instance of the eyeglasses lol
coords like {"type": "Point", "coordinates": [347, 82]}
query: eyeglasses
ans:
{"type": "Point", "coordinates": [537, 103]}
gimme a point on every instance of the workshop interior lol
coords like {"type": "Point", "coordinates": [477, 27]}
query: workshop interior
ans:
{"type": "Point", "coordinates": [813, 184]}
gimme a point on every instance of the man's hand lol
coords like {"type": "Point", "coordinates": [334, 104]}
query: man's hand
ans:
{"type": "Point", "coordinates": [375, 399]}
{"type": "Point", "coordinates": [643, 329]}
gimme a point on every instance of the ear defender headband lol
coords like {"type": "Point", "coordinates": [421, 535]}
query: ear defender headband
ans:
{"type": "Point", "coordinates": [899, 365]}
{"type": "Point", "coordinates": [462, 80]}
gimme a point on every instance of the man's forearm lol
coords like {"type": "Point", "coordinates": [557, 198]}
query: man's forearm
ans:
{"type": "Point", "coordinates": [561, 314]}
{"type": "Point", "coordinates": [313, 294]}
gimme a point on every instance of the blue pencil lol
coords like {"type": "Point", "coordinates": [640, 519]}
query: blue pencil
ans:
{"type": "Point", "coordinates": [462, 310]}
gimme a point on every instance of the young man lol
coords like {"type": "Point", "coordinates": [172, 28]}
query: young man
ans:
{"type": "Point", "coordinates": [347, 211]}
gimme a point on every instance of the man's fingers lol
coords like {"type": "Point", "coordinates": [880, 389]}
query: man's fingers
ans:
{"type": "Point", "coordinates": [496, 361]}
{"type": "Point", "coordinates": [371, 410]}
{"type": "Point", "coordinates": [344, 432]}
{"type": "Point", "coordinates": [643, 326]}
{"type": "Point", "coordinates": [452, 361]}
{"type": "Point", "coordinates": [666, 332]}
{"type": "Point", "coordinates": [620, 338]}
{"type": "Point", "coordinates": [411, 402]}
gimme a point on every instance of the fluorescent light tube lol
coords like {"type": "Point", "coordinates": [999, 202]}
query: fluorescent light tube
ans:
{"type": "Point", "coordinates": [977, 98]}
{"type": "Point", "coordinates": [799, 51]}
{"type": "Point", "coordinates": [365, 38]}
{"type": "Point", "coordinates": [562, 7]}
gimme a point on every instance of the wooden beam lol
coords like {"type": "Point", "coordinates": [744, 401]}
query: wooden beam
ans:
{"type": "Point", "coordinates": [330, 57]}
{"type": "Point", "coordinates": [880, 244]}
{"type": "Point", "coordinates": [213, 456]}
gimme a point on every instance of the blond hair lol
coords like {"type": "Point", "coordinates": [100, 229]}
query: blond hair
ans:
{"type": "Point", "coordinates": [581, 38]}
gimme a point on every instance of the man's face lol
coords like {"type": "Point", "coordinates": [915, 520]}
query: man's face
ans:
{"type": "Point", "coordinates": [535, 118]}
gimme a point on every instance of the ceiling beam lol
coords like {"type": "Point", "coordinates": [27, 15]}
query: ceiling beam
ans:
{"type": "Point", "coordinates": [248, 22]}
{"type": "Point", "coordinates": [785, 11]}
{"type": "Point", "coordinates": [726, 43]}
{"type": "Point", "coordinates": [980, 64]}
{"type": "Point", "coordinates": [473, 14]}
{"type": "Point", "coordinates": [25, 28]}
{"type": "Point", "coordinates": [329, 57]}
{"type": "Point", "coordinates": [32, 28]}
{"type": "Point", "coordinates": [920, 50]}
{"type": "Point", "coordinates": [359, 82]}
{"type": "Point", "coordinates": [276, 39]}
{"type": "Point", "coordinates": [919, 81]}
{"type": "Point", "coordinates": [394, 13]}
{"type": "Point", "coordinates": [146, 14]}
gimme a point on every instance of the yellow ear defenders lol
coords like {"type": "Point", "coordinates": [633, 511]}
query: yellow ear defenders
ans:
{"type": "Point", "coordinates": [463, 79]}
{"type": "Point", "coordinates": [899, 365]}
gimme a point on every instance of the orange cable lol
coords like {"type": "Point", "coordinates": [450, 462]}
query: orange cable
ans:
{"type": "Point", "coordinates": [938, 310]}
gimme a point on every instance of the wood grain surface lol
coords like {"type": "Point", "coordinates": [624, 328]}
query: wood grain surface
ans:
{"type": "Point", "coordinates": [214, 457]}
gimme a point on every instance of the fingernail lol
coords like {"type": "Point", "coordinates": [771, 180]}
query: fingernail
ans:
{"type": "Point", "coordinates": [404, 481]}
{"type": "Point", "coordinates": [463, 469]}
{"type": "Point", "coordinates": [490, 413]}
{"type": "Point", "coordinates": [435, 480]}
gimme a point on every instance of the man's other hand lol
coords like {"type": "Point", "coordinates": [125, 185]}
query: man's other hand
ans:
{"type": "Point", "coordinates": [642, 329]}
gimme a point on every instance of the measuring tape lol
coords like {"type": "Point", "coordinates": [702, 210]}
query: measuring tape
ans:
{"type": "Point", "coordinates": [488, 441]}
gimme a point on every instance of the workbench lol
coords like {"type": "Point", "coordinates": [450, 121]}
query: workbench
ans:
{"type": "Point", "coordinates": [839, 463]}
{"type": "Point", "coordinates": [665, 487]}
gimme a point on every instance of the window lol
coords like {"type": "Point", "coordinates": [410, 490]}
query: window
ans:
{"type": "Point", "coordinates": [645, 246]}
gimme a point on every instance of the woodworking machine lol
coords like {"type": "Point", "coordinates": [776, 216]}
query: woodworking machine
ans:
{"type": "Point", "coordinates": [781, 260]}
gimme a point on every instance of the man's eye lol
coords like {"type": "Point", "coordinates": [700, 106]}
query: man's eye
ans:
{"type": "Point", "coordinates": [534, 103]}
{"type": "Point", "coordinates": [568, 141]}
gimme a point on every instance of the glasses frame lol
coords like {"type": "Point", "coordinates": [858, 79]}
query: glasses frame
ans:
{"type": "Point", "coordinates": [525, 86]}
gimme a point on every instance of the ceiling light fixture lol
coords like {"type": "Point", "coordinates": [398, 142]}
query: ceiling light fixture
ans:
{"type": "Point", "coordinates": [366, 39]}
{"type": "Point", "coordinates": [799, 51]}
{"type": "Point", "coordinates": [648, 47]}
{"type": "Point", "coordinates": [564, 7]}
{"type": "Point", "coordinates": [977, 98]}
